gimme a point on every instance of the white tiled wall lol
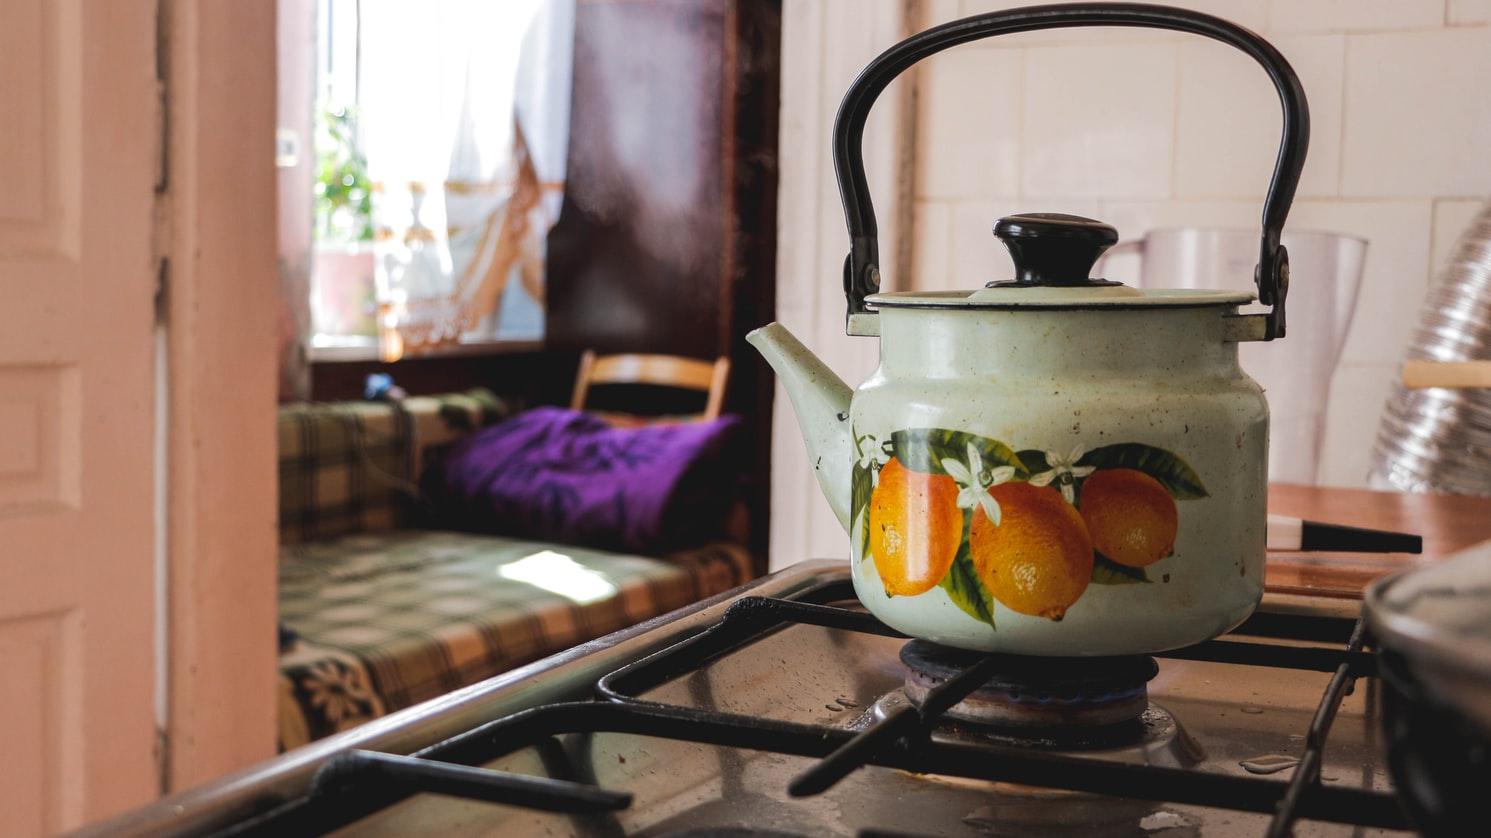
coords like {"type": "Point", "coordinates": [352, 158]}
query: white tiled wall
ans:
{"type": "Point", "coordinates": [1148, 129]}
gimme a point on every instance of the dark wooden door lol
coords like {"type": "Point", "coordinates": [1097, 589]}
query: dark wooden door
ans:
{"type": "Point", "coordinates": [667, 239]}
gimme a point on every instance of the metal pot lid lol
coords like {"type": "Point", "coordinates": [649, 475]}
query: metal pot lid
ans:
{"type": "Point", "coordinates": [1054, 256]}
{"type": "Point", "coordinates": [1439, 614]}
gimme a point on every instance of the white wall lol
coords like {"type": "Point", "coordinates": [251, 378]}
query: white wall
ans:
{"type": "Point", "coordinates": [824, 44]}
{"type": "Point", "coordinates": [1146, 129]}
{"type": "Point", "coordinates": [1142, 129]}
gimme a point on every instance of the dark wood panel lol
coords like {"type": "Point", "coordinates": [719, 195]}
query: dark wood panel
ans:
{"type": "Point", "coordinates": [667, 239]}
{"type": "Point", "coordinates": [640, 256]}
{"type": "Point", "coordinates": [753, 274]}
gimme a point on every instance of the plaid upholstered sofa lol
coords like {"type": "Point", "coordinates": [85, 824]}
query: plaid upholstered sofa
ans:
{"type": "Point", "coordinates": [378, 614]}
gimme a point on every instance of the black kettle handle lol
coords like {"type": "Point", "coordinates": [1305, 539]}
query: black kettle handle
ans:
{"type": "Point", "coordinates": [862, 266]}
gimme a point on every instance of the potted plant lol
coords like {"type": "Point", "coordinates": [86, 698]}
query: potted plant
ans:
{"type": "Point", "coordinates": [342, 289]}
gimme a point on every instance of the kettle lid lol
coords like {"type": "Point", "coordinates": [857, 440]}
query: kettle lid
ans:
{"type": "Point", "coordinates": [1052, 249]}
{"type": "Point", "coordinates": [1054, 254]}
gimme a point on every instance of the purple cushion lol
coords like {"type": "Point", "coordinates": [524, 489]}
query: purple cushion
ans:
{"type": "Point", "coordinates": [563, 475]}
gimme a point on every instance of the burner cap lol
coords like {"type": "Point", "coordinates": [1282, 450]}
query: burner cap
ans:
{"type": "Point", "coordinates": [1035, 692]}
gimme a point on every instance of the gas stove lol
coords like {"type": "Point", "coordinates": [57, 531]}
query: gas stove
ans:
{"type": "Point", "coordinates": [783, 708]}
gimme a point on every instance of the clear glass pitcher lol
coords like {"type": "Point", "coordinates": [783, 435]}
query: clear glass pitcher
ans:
{"type": "Point", "coordinates": [1329, 269]}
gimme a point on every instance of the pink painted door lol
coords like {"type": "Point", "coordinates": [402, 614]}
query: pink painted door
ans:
{"type": "Point", "coordinates": [79, 145]}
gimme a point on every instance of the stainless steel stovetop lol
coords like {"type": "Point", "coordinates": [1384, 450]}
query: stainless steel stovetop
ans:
{"type": "Point", "coordinates": [1212, 728]}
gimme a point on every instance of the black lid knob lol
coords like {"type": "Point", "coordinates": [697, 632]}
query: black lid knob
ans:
{"type": "Point", "coordinates": [1050, 248]}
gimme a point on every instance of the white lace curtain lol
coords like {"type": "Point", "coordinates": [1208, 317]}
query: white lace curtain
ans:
{"type": "Point", "coordinates": [464, 110]}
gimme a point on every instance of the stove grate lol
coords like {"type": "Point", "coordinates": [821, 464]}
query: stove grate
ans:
{"type": "Point", "coordinates": [362, 783]}
{"type": "Point", "coordinates": [359, 770]}
{"type": "Point", "coordinates": [1306, 778]}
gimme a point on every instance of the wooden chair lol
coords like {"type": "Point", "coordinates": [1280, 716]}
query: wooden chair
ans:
{"type": "Point", "coordinates": [659, 370]}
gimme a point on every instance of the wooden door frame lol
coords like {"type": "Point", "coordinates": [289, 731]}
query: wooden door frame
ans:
{"type": "Point", "coordinates": [216, 245]}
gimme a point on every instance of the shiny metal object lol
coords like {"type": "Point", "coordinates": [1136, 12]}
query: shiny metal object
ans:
{"type": "Point", "coordinates": [1055, 382]}
{"type": "Point", "coordinates": [567, 676]}
{"type": "Point", "coordinates": [1032, 693]}
{"type": "Point", "coordinates": [1157, 738]}
{"type": "Point", "coordinates": [1433, 632]}
{"type": "Point", "coordinates": [1439, 439]}
{"type": "Point", "coordinates": [1209, 717]}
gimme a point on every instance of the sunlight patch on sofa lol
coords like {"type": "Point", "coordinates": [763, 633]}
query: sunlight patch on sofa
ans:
{"type": "Point", "coordinates": [559, 574]}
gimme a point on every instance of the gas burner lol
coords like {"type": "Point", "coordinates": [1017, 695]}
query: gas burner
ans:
{"type": "Point", "coordinates": [1155, 738]}
{"type": "Point", "coordinates": [1049, 695]}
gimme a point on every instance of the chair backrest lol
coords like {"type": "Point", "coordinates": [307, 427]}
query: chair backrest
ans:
{"type": "Point", "coordinates": [658, 370]}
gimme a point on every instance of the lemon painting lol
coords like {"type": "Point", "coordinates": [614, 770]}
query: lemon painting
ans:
{"type": "Point", "coordinates": [1028, 529]}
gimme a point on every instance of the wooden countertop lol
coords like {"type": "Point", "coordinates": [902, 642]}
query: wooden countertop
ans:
{"type": "Point", "coordinates": [1448, 523]}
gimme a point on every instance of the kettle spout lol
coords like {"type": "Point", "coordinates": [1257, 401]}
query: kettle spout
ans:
{"type": "Point", "coordinates": [821, 400]}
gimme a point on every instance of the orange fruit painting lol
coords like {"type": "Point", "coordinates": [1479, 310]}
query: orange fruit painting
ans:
{"type": "Point", "coordinates": [1130, 515]}
{"type": "Point", "coordinates": [1038, 559]}
{"type": "Point", "coordinates": [1030, 530]}
{"type": "Point", "coordinates": [915, 528]}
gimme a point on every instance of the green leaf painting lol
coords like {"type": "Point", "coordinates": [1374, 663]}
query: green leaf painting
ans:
{"type": "Point", "coordinates": [924, 449]}
{"type": "Point", "coordinates": [1033, 461]}
{"type": "Point", "coordinates": [860, 489]}
{"type": "Point", "coordinates": [1105, 571]}
{"type": "Point", "coordinates": [963, 586]}
{"type": "Point", "coordinates": [1177, 476]}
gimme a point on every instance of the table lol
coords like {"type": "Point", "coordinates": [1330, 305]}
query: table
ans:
{"type": "Point", "coordinates": [1448, 524]}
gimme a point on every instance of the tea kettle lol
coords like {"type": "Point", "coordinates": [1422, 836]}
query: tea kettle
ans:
{"type": "Point", "coordinates": [1053, 464]}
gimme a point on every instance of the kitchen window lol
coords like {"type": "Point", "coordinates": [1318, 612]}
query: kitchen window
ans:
{"type": "Point", "coordinates": [438, 156]}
